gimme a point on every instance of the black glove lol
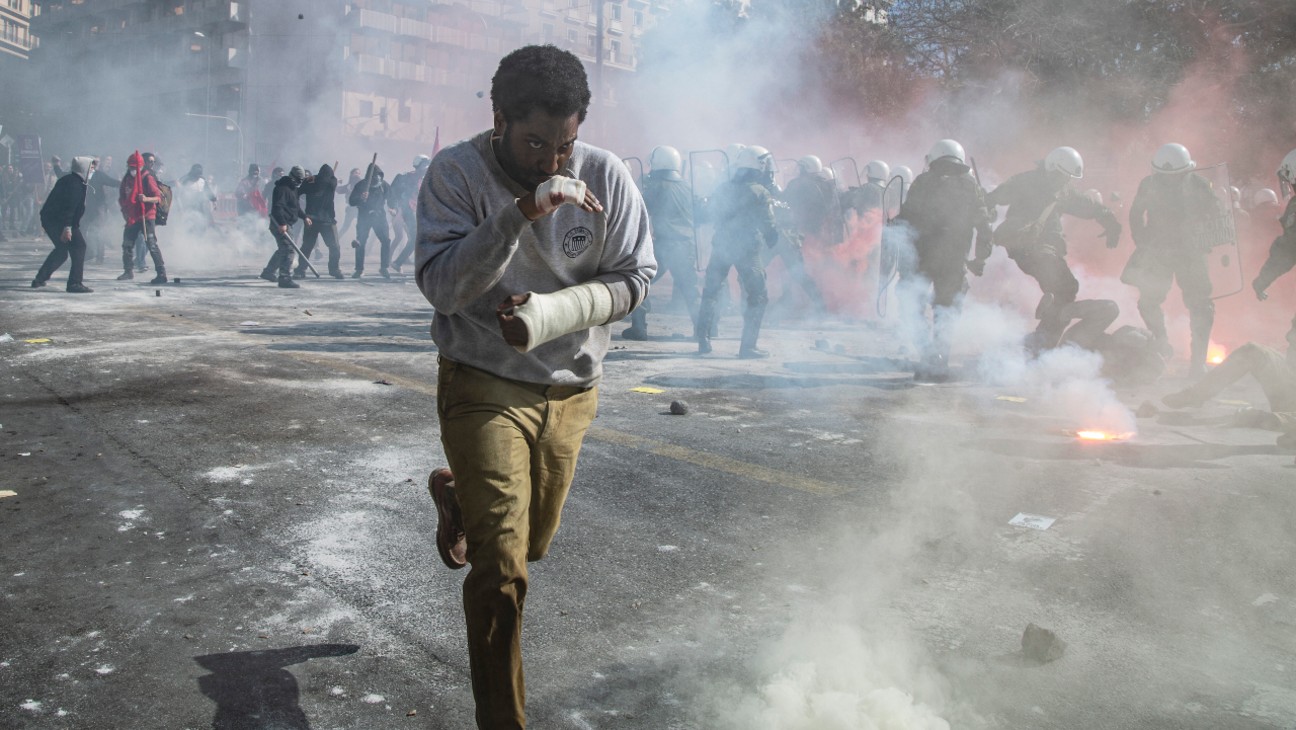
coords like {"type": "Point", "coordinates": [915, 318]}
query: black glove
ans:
{"type": "Point", "coordinates": [1113, 234]}
{"type": "Point", "coordinates": [976, 266]}
{"type": "Point", "coordinates": [1259, 290]}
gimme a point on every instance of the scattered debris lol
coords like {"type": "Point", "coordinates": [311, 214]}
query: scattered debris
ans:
{"type": "Point", "coordinates": [1034, 522]}
{"type": "Point", "coordinates": [411, 713]}
{"type": "Point", "coordinates": [381, 382]}
{"type": "Point", "coordinates": [6, 337]}
{"type": "Point", "coordinates": [821, 344]}
{"type": "Point", "coordinates": [24, 453]}
{"type": "Point", "coordinates": [38, 341]}
{"type": "Point", "coordinates": [157, 292]}
{"type": "Point", "coordinates": [1266, 598]}
{"type": "Point", "coordinates": [175, 280]}
{"type": "Point", "coordinates": [1147, 409]}
{"type": "Point", "coordinates": [679, 408]}
{"type": "Point", "coordinates": [646, 389]}
{"type": "Point", "coordinates": [308, 314]}
{"type": "Point", "coordinates": [1040, 645]}
{"type": "Point", "coordinates": [1010, 398]}
{"type": "Point", "coordinates": [373, 699]}
{"type": "Point", "coordinates": [249, 323]}
{"type": "Point", "coordinates": [7, 493]}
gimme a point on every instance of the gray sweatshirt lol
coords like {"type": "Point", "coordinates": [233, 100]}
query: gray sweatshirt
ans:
{"type": "Point", "coordinates": [475, 249]}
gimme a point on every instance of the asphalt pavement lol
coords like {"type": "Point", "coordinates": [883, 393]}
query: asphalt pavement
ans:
{"type": "Point", "coordinates": [219, 519]}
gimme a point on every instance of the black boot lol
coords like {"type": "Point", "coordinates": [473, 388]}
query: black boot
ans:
{"type": "Point", "coordinates": [638, 329]}
{"type": "Point", "coordinates": [286, 282]}
{"type": "Point", "coordinates": [128, 263]}
{"type": "Point", "coordinates": [158, 265]}
{"type": "Point", "coordinates": [751, 331]}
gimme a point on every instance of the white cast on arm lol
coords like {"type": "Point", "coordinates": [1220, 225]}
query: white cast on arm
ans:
{"type": "Point", "coordinates": [557, 191]}
{"type": "Point", "coordinates": [550, 316]}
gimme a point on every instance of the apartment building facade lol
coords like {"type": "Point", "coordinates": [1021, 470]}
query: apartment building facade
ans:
{"type": "Point", "coordinates": [236, 81]}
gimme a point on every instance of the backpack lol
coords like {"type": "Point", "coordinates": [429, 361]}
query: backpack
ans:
{"type": "Point", "coordinates": [164, 202]}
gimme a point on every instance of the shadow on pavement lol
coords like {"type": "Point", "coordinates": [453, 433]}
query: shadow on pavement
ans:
{"type": "Point", "coordinates": [752, 381]}
{"type": "Point", "coordinates": [1148, 456]}
{"type": "Point", "coordinates": [860, 364]}
{"type": "Point", "coordinates": [252, 689]}
{"type": "Point", "coordinates": [417, 348]}
{"type": "Point", "coordinates": [333, 328]}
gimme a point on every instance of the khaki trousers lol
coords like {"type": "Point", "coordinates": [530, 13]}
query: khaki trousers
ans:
{"type": "Point", "coordinates": [512, 447]}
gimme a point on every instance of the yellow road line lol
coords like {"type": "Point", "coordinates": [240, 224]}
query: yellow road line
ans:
{"type": "Point", "coordinates": [683, 454]}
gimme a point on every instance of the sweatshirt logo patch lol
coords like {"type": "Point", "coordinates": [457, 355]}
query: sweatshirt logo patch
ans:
{"type": "Point", "coordinates": [577, 240]}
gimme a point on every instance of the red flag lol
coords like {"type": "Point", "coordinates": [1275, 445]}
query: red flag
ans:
{"type": "Point", "coordinates": [137, 187]}
{"type": "Point", "coordinates": [436, 141]}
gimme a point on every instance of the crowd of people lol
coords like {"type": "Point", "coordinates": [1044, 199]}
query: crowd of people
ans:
{"type": "Point", "coordinates": [529, 244]}
{"type": "Point", "coordinates": [293, 205]}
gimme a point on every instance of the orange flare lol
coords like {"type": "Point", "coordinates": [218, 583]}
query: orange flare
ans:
{"type": "Point", "coordinates": [1091, 435]}
{"type": "Point", "coordinates": [1215, 354]}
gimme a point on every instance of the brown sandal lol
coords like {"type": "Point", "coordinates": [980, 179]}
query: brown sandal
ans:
{"type": "Point", "coordinates": [450, 528]}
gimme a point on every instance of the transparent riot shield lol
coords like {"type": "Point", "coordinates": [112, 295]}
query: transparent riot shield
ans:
{"type": "Point", "coordinates": [706, 170]}
{"type": "Point", "coordinates": [1216, 232]}
{"type": "Point", "coordinates": [636, 167]}
{"type": "Point", "coordinates": [889, 247]}
{"type": "Point", "coordinates": [784, 171]}
{"type": "Point", "coordinates": [840, 169]}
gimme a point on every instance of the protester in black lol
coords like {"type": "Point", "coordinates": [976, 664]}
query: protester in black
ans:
{"type": "Point", "coordinates": [370, 197]}
{"type": "Point", "coordinates": [322, 218]}
{"type": "Point", "coordinates": [61, 219]}
{"type": "Point", "coordinates": [285, 210]}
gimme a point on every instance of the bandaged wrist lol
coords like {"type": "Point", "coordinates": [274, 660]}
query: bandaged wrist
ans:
{"type": "Point", "coordinates": [558, 191]}
{"type": "Point", "coordinates": [550, 316]}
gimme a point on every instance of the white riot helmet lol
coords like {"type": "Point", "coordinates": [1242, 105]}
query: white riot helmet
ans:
{"type": "Point", "coordinates": [810, 165]}
{"type": "Point", "coordinates": [1263, 196]}
{"type": "Point", "coordinates": [1094, 195]}
{"type": "Point", "coordinates": [904, 173]}
{"type": "Point", "coordinates": [421, 161]}
{"type": "Point", "coordinates": [1173, 159]}
{"type": "Point", "coordinates": [1066, 161]}
{"type": "Point", "coordinates": [1287, 170]}
{"type": "Point", "coordinates": [877, 170]}
{"type": "Point", "coordinates": [1235, 196]}
{"type": "Point", "coordinates": [947, 149]}
{"type": "Point", "coordinates": [665, 159]}
{"type": "Point", "coordinates": [755, 158]}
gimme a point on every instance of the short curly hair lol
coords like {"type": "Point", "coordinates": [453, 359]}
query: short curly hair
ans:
{"type": "Point", "coordinates": [545, 77]}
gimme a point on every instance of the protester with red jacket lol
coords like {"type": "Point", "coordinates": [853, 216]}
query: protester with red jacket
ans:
{"type": "Point", "coordinates": [138, 197]}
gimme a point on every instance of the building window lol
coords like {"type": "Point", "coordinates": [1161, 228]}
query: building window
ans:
{"type": "Point", "coordinates": [366, 108]}
{"type": "Point", "coordinates": [571, 36]}
{"type": "Point", "coordinates": [593, 44]}
{"type": "Point", "coordinates": [616, 12]}
{"type": "Point", "coordinates": [614, 55]}
{"type": "Point", "coordinates": [638, 18]}
{"type": "Point", "coordinates": [547, 32]}
{"type": "Point", "coordinates": [405, 113]}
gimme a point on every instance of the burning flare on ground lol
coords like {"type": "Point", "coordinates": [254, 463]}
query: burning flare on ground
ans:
{"type": "Point", "coordinates": [1215, 353]}
{"type": "Point", "coordinates": [1096, 435]}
